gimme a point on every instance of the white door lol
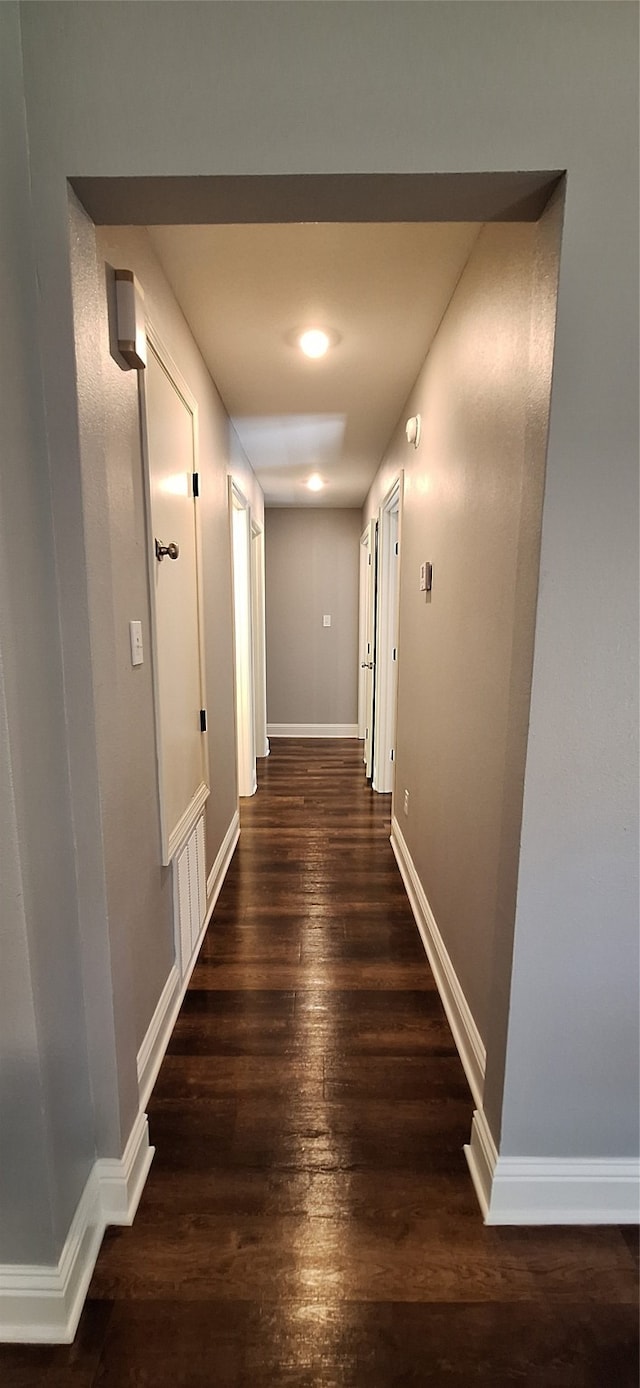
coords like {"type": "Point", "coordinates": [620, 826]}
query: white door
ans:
{"type": "Point", "coordinates": [171, 445]}
{"type": "Point", "coordinates": [258, 629]}
{"type": "Point", "coordinates": [387, 642]}
{"type": "Point", "coordinates": [243, 642]}
{"type": "Point", "coordinates": [368, 651]}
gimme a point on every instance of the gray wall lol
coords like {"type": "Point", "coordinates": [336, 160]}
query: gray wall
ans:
{"type": "Point", "coordinates": [120, 89]}
{"type": "Point", "coordinates": [472, 507]}
{"type": "Point", "coordinates": [312, 568]}
{"type": "Point", "coordinates": [139, 890]}
{"type": "Point", "coordinates": [46, 1117]}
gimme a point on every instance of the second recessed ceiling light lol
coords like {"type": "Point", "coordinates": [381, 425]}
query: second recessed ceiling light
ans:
{"type": "Point", "coordinates": [314, 342]}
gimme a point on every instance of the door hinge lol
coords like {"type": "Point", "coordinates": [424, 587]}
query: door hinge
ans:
{"type": "Point", "coordinates": [369, 558]}
{"type": "Point", "coordinates": [394, 654]}
{"type": "Point", "coordinates": [392, 755]}
{"type": "Point", "coordinates": [397, 549]}
{"type": "Point", "coordinates": [203, 720]}
{"type": "Point", "coordinates": [196, 483]}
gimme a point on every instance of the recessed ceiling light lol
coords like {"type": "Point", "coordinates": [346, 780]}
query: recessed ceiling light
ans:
{"type": "Point", "coordinates": [315, 483]}
{"type": "Point", "coordinates": [314, 342]}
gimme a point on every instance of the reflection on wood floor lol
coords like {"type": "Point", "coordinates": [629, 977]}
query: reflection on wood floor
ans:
{"type": "Point", "coordinates": [309, 1218]}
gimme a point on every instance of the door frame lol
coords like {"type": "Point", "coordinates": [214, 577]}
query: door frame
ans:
{"type": "Point", "coordinates": [368, 607]}
{"type": "Point", "coordinates": [362, 630]}
{"type": "Point", "coordinates": [173, 840]}
{"type": "Point", "coordinates": [386, 666]}
{"type": "Point", "coordinates": [258, 620]}
{"type": "Point", "coordinates": [245, 749]}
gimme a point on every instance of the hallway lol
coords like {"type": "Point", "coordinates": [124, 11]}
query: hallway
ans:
{"type": "Point", "coordinates": [309, 1218]}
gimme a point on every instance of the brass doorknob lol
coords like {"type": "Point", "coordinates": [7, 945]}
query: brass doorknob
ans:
{"type": "Point", "coordinates": [172, 551]}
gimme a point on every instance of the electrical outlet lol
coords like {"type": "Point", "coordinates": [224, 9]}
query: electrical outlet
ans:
{"type": "Point", "coordinates": [406, 802]}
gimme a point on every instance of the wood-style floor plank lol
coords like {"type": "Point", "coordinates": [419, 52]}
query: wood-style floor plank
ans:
{"type": "Point", "coordinates": [309, 1218]}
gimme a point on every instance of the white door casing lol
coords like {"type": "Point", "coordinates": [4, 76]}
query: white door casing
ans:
{"type": "Point", "coordinates": [258, 619]}
{"type": "Point", "coordinates": [240, 519]}
{"type": "Point", "coordinates": [368, 653]}
{"type": "Point", "coordinates": [362, 636]}
{"type": "Point", "coordinates": [169, 419]}
{"type": "Point", "coordinates": [387, 648]}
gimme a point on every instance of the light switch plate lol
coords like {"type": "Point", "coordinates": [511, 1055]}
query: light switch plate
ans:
{"type": "Point", "coordinates": [135, 636]}
{"type": "Point", "coordinates": [425, 578]}
{"type": "Point", "coordinates": [326, 621]}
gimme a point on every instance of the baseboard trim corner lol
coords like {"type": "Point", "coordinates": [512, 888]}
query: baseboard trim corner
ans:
{"type": "Point", "coordinates": [550, 1190]}
{"type": "Point", "coordinates": [465, 1032]}
{"type": "Point", "coordinates": [482, 1157]}
{"type": "Point", "coordinates": [122, 1181]}
{"type": "Point", "coordinates": [43, 1304]}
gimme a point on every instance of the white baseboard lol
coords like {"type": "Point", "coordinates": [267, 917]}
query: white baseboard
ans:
{"type": "Point", "coordinates": [515, 1190]}
{"type": "Point", "coordinates": [153, 1048]}
{"type": "Point", "coordinates": [122, 1182]}
{"type": "Point", "coordinates": [465, 1032]}
{"type": "Point", "coordinates": [42, 1305]}
{"type": "Point", "coordinates": [221, 866]}
{"type": "Point", "coordinates": [312, 729]}
{"type": "Point", "coordinates": [151, 1053]}
{"type": "Point", "coordinates": [545, 1190]}
{"type": "Point", "coordinates": [482, 1158]}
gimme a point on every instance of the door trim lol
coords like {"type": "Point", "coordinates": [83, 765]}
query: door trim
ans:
{"type": "Point", "coordinates": [387, 623]}
{"type": "Point", "coordinates": [247, 784]}
{"type": "Point", "coordinates": [258, 634]}
{"type": "Point", "coordinates": [362, 628]}
{"type": "Point", "coordinates": [369, 609]}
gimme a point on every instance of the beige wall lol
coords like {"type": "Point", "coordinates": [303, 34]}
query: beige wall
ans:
{"type": "Point", "coordinates": [312, 569]}
{"type": "Point", "coordinates": [472, 506]}
{"type": "Point", "coordinates": [139, 890]}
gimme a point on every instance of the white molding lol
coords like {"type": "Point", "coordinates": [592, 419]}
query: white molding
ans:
{"type": "Point", "coordinates": [154, 1045]}
{"type": "Point", "coordinates": [221, 865]}
{"type": "Point", "coordinates": [465, 1032]}
{"type": "Point", "coordinates": [312, 729]}
{"type": "Point", "coordinates": [187, 822]}
{"type": "Point", "coordinates": [550, 1190]}
{"type": "Point", "coordinates": [122, 1180]}
{"type": "Point", "coordinates": [482, 1158]}
{"type": "Point", "coordinates": [42, 1305]}
{"type": "Point", "coordinates": [387, 637]}
{"type": "Point", "coordinates": [515, 1190]}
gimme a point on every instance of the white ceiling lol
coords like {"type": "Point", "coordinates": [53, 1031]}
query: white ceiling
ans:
{"type": "Point", "coordinates": [382, 287]}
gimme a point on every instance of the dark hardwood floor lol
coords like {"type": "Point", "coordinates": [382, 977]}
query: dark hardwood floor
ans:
{"type": "Point", "coordinates": [309, 1218]}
